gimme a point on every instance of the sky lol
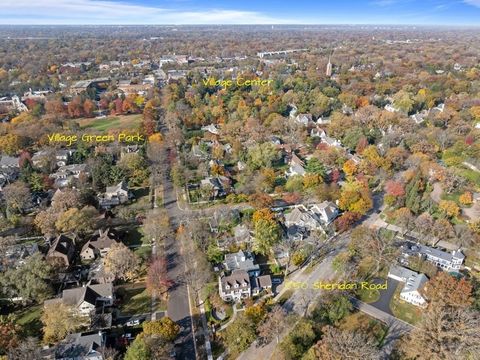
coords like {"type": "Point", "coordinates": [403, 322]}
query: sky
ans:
{"type": "Point", "coordinates": [72, 12]}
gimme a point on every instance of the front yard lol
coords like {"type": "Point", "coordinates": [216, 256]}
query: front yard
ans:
{"type": "Point", "coordinates": [403, 310]}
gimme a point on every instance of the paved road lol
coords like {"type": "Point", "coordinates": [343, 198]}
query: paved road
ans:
{"type": "Point", "coordinates": [383, 303]}
{"type": "Point", "coordinates": [178, 307]}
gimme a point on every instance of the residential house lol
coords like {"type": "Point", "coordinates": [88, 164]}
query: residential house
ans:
{"type": "Point", "coordinates": [65, 174]}
{"type": "Point", "coordinates": [330, 141]}
{"type": "Point", "coordinates": [413, 284]}
{"type": "Point", "coordinates": [9, 162]}
{"type": "Point", "coordinates": [261, 283]}
{"type": "Point", "coordinates": [212, 129]}
{"type": "Point", "coordinates": [447, 261]}
{"type": "Point", "coordinates": [9, 170]}
{"type": "Point", "coordinates": [99, 244]}
{"type": "Point", "coordinates": [235, 287]}
{"type": "Point", "coordinates": [326, 211]}
{"type": "Point", "coordinates": [81, 346]}
{"type": "Point", "coordinates": [87, 299]}
{"type": "Point", "coordinates": [62, 156]}
{"type": "Point", "coordinates": [304, 119]}
{"type": "Point", "coordinates": [242, 260]}
{"type": "Point", "coordinates": [114, 195]}
{"type": "Point", "coordinates": [419, 117]}
{"type": "Point", "coordinates": [302, 218]}
{"type": "Point", "coordinates": [15, 255]}
{"type": "Point", "coordinates": [63, 250]}
{"type": "Point", "coordinates": [297, 166]}
{"type": "Point", "coordinates": [218, 186]}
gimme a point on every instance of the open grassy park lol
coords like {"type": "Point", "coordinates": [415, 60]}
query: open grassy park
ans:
{"type": "Point", "coordinates": [118, 122]}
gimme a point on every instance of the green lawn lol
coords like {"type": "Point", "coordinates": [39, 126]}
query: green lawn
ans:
{"type": "Point", "coordinates": [29, 319]}
{"type": "Point", "coordinates": [368, 296]}
{"type": "Point", "coordinates": [135, 301]}
{"type": "Point", "coordinates": [470, 175]}
{"type": "Point", "coordinates": [403, 310]}
{"type": "Point", "coordinates": [133, 236]}
{"type": "Point", "coordinates": [120, 122]}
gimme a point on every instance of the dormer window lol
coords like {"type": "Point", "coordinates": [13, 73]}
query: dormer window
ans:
{"type": "Point", "coordinates": [236, 285]}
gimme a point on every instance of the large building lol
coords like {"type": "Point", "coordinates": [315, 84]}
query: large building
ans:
{"type": "Point", "coordinates": [413, 283]}
{"type": "Point", "coordinates": [447, 261]}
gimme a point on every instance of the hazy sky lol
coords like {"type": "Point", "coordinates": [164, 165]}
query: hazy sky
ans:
{"type": "Point", "coordinates": [429, 12]}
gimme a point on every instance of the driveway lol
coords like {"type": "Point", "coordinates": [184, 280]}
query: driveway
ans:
{"type": "Point", "coordinates": [383, 303]}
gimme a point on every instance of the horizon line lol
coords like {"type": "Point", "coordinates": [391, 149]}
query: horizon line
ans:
{"type": "Point", "coordinates": [247, 24]}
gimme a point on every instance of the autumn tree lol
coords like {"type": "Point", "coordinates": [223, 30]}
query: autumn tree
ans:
{"type": "Point", "coordinates": [266, 229]}
{"type": "Point", "coordinates": [449, 208]}
{"type": "Point", "coordinates": [444, 333]}
{"type": "Point", "coordinates": [17, 196]}
{"type": "Point", "coordinates": [373, 246]}
{"type": "Point", "coordinates": [121, 262]}
{"type": "Point", "coordinates": [156, 226]}
{"type": "Point", "coordinates": [349, 168]}
{"type": "Point", "coordinates": [273, 325]}
{"type": "Point", "coordinates": [29, 281]}
{"type": "Point", "coordinates": [339, 344]}
{"type": "Point", "coordinates": [157, 280]}
{"type": "Point", "coordinates": [77, 221]}
{"type": "Point", "coordinates": [26, 349]}
{"type": "Point", "coordinates": [138, 350]}
{"type": "Point", "coordinates": [59, 320]}
{"type": "Point", "coordinates": [11, 144]}
{"type": "Point", "coordinates": [446, 290]}
{"type": "Point", "coordinates": [346, 220]}
{"type": "Point", "coordinates": [262, 155]}
{"type": "Point", "coordinates": [299, 340]}
{"type": "Point", "coordinates": [164, 328]}
{"type": "Point", "coordinates": [355, 197]}
{"type": "Point", "coordinates": [9, 334]}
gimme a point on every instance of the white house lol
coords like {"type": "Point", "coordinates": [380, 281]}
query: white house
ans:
{"type": "Point", "coordinates": [235, 287]}
{"type": "Point", "coordinates": [301, 217]}
{"type": "Point", "coordinates": [86, 299]}
{"type": "Point", "coordinates": [327, 211]}
{"type": "Point", "coordinates": [297, 166]}
{"type": "Point", "coordinates": [414, 282]}
{"type": "Point", "coordinates": [303, 119]}
{"type": "Point", "coordinates": [447, 261]}
{"type": "Point", "coordinates": [114, 195]}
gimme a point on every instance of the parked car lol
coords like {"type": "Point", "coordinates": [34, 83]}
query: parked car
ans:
{"type": "Point", "coordinates": [133, 322]}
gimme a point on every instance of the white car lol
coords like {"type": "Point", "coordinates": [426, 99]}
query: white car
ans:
{"type": "Point", "coordinates": [133, 322]}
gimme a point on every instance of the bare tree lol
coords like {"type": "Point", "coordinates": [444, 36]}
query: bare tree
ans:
{"type": "Point", "coordinates": [273, 325]}
{"type": "Point", "coordinates": [445, 333]}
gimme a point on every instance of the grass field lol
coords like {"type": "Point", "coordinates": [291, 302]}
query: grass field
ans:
{"type": "Point", "coordinates": [120, 122]}
{"type": "Point", "coordinates": [29, 319]}
{"type": "Point", "coordinates": [135, 301]}
{"type": "Point", "coordinates": [368, 296]}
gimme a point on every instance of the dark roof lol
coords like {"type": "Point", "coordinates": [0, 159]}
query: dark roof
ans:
{"type": "Point", "coordinates": [78, 346]}
{"type": "Point", "coordinates": [62, 244]}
